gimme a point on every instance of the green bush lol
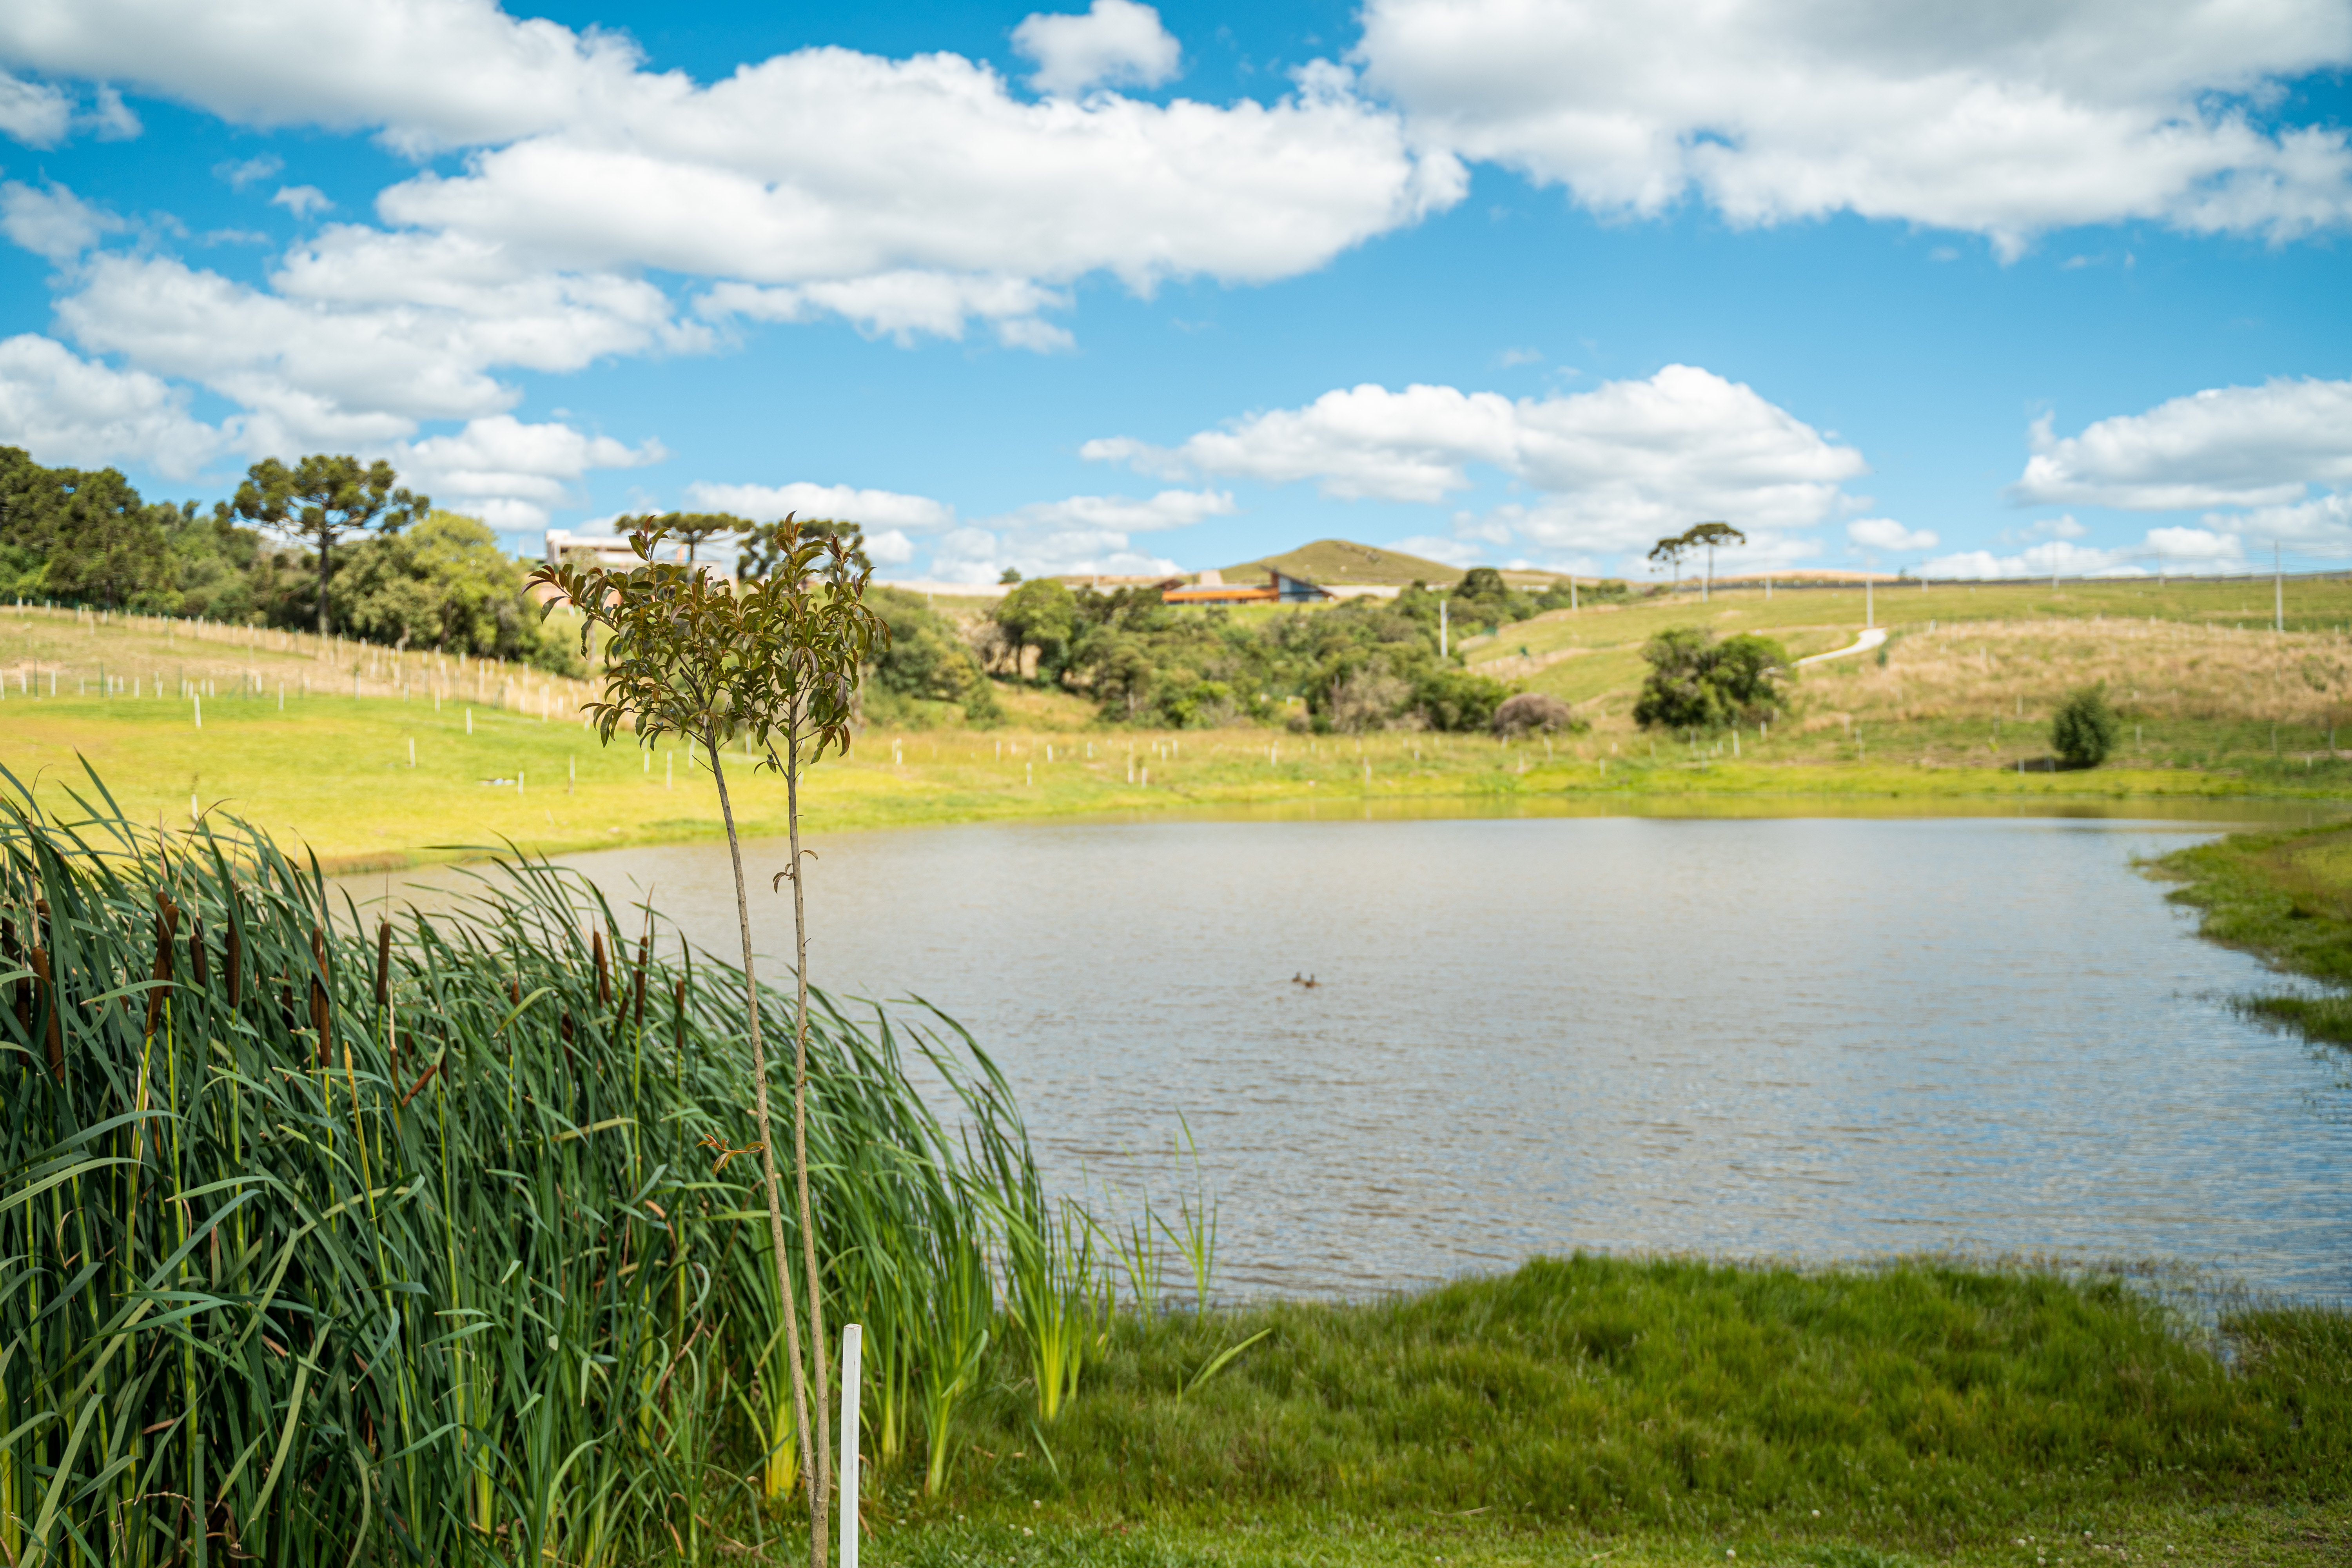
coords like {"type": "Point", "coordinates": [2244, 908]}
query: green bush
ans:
{"type": "Point", "coordinates": [1698, 683]}
{"type": "Point", "coordinates": [1041, 614]}
{"type": "Point", "coordinates": [2086, 730]}
{"type": "Point", "coordinates": [442, 584]}
{"type": "Point", "coordinates": [927, 676]}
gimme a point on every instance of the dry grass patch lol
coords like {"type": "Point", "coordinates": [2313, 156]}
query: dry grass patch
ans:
{"type": "Point", "coordinates": [2164, 670]}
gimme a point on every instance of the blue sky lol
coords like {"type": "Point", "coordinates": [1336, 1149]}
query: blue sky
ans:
{"type": "Point", "coordinates": [1983, 289]}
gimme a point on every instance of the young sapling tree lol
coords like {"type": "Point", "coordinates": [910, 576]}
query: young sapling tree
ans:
{"type": "Point", "coordinates": [775, 661]}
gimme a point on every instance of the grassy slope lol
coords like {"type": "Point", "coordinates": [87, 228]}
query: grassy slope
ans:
{"type": "Point", "coordinates": [1344, 560]}
{"type": "Point", "coordinates": [1949, 717]}
{"type": "Point", "coordinates": [1666, 1411]}
{"type": "Point", "coordinates": [1970, 677]}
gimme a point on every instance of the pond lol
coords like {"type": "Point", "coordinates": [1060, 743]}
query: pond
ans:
{"type": "Point", "coordinates": [1805, 1036]}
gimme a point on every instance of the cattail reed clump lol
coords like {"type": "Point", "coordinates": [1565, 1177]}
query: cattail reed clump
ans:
{"type": "Point", "coordinates": [401, 1289]}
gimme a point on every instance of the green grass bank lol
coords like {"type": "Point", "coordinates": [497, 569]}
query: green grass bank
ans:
{"type": "Point", "coordinates": [2287, 898]}
{"type": "Point", "coordinates": [1588, 1408]}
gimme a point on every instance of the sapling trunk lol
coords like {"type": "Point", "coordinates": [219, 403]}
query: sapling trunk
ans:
{"type": "Point", "coordinates": [768, 1172]}
{"type": "Point", "coordinates": [822, 1459]}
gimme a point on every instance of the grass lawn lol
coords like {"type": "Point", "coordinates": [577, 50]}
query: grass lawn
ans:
{"type": "Point", "coordinates": [1633, 1411]}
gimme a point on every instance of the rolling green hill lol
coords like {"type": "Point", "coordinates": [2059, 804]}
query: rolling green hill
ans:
{"type": "Point", "coordinates": [1345, 561]}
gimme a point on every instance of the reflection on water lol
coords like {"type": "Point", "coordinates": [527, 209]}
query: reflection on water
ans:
{"type": "Point", "coordinates": [1813, 1037]}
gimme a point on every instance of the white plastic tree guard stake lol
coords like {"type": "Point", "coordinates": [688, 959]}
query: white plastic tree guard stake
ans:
{"type": "Point", "coordinates": [851, 1338]}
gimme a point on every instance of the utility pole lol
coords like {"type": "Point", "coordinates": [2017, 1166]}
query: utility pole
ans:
{"type": "Point", "coordinates": [2278, 589]}
{"type": "Point", "coordinates": [1869, 603]}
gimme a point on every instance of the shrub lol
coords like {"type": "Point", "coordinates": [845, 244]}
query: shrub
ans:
{"type": "Point", "coordinates": [1698, 683]}
{"type": "Point", "coordinates": [927, 675]}
{"type": "Point", "coordinates": [1536, 710]}
{"type": "Point", "coordinates": [2086, 730]}
{"type": "Point", "coordinates": [443, 584]}
{"type": "Point", "coordinates": [1457, 700]}
{"type": "Point", "coordinates": [1041, 614]}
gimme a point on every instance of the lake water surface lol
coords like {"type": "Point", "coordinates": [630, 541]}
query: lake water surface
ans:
{"type": "Point", "coordinates": [1805, 1036]}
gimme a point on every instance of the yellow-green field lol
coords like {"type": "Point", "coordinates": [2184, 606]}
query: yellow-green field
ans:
{"type": "Point", "coordinates": [1959, 706]}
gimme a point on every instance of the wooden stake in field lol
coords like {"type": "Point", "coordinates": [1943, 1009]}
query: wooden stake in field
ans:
{"type": "Point", "coordinates": [851, 1356]}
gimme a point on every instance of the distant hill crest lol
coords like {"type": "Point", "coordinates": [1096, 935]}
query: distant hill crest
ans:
{"type": "Point", "coordinates": [1344, 560]}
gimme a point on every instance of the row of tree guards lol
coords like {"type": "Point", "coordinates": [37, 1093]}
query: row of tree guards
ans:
{"type": "Point", "coordinates": [376, 671]}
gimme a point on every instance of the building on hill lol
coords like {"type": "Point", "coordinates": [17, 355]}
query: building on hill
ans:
{"type": "Point", "coordinates": [1210, 588]}
{"type": "Point", "coordinates": [564, 546]}
{"type": "Point", "coordinates": [1102, 580]}
{"type": "Point", "coordinates": [612, 550]}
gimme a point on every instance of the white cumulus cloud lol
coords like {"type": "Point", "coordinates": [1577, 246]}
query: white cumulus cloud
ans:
{"type": "Point", "coordinates": [871, 510]}
{"type": "Point", "coordinates": [2187, 551]}
{"type": "Point", "coordinates": [1104, 514]}
{"type": "Point", "coordinates": [1080, 534]}
{"type": "Point", "coordinates": [2232, 446]}
{"type": "Point", "coordinates": [365, 334]}
{"type": "Point", "coordinates": [429, 73]}
{"type": "Point", "coordinates": [820, 166]}
{"type": "Point", "coordinates": [302, 200]}
{"type": "Point", "coordinates": [1616, 466]}
{"type": "Point", "coordinates": [826, 166]}
{"type": "Point", "coordinates": [914, 198]}
{"type": "Point", "coordinates": [1886, 534]}
{"type": "Point", "coordinates": [70, 410]}
{"type": "Point", "coordinates": [111, 118]}
{"type": "Point", "coordinates": [982, 555]}
{"type": "Point", "coordinates": [902, 305]}
{"type": "Point", "coordinates": [2000, 120]}
{"type": "Point", "coordinates": [240, 173]}
{"type": "Point", "coordinates": [511, 474]}
{"type": "Point", "coordinates": [1117, 43]}
{"type": "Point", "coordinates": [52, 222]}
{"type": "Point", "coordinates": [34, 112]}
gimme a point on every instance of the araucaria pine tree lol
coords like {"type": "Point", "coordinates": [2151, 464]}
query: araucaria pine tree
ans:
{"type": "Point", "coordinates": [775, 661]}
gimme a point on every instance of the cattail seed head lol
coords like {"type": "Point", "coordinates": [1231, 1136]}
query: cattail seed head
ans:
{"type": "Point", "coordinates": [55, 1038]}
{"type": "Point", "coordinates": [167, 925]}
{"type": "Point", "coordinates": [382, 962]}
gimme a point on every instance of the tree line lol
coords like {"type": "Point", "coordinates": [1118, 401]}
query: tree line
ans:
{"type": "Point", "coordinates": [1362, 664]}
{"type": "Point", "coordinates": [328, 544]}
